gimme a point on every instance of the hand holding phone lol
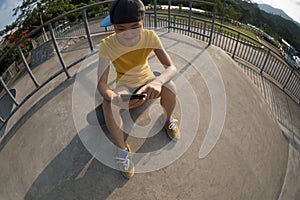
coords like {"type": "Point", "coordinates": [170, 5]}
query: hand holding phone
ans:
{"type": "Point", "coordinates": [128, 97]}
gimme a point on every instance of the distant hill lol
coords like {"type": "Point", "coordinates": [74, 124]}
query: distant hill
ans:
{"type": "Point", "coordinates": [274, 25]}
{"type": "Point", "coordinates": [276, 11]}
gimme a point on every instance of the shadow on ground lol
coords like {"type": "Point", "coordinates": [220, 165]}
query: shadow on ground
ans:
{"type": "Point", "coordinates": [75, 174]}
{"type": "Point", "coordinates": [60, 88]}
{"type": "Point", "coordinates": [293, 139]}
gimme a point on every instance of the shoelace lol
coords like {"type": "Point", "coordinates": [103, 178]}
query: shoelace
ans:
{"type": "Point", "coordinates": [172, 124]}
{"type": "Point", "coordinates": [124, 161]}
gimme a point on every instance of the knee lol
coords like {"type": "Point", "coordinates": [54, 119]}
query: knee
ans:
{"type": "Point", "coordinates": [170, 87]}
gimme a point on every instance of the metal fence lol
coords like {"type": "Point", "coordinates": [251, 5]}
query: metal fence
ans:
{"type": "Point", "coordinates": [70, 30]}
{"type": "Point", "coordinates": [11, 72]}
{"type": "Point", "coordinates": [238, 45]}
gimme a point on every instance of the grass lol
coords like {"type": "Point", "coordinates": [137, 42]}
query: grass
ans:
{"type": "Point", "coordinates": [253, 37]}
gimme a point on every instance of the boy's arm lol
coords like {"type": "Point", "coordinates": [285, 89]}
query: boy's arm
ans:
{"type": "Point", "coordinates": [153, 89]}
{"type": "Point", "coordinates": [103, 71]}
{"type": "Point", "coordinates": [170, 70]}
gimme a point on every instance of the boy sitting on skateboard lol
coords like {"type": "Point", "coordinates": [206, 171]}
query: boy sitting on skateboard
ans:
{"type": "Point", "coordinates": [128, 50]}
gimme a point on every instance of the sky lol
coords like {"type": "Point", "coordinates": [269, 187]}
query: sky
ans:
{"type": "Point", "coordinates": [6, 12]}
{"type": "Point", "coordinates": [290, 7]}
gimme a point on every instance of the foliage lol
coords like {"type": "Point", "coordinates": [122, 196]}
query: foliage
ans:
{"type": "Point", "coordinates": [9, 59]}
{"type": "Point", "coordinates": [10, 41]}
{"type": "Point", "coordinates": [274, 25]}
{"type": "Point", "coordinates": [33, 13]}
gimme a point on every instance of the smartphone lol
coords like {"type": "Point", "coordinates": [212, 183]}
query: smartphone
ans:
{"type": "Point", "coordinates": [126, 97]}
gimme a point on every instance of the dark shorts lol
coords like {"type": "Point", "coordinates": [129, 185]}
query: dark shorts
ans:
{"type": "Point", "coordinates": [134, 90]}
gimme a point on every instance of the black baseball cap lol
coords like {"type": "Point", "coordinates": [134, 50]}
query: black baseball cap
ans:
{"type": "Point", "coordinates": [126, 11]}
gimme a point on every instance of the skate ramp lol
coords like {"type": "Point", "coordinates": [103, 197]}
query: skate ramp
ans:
{"type": "Point", "coordinates": [231, 147]}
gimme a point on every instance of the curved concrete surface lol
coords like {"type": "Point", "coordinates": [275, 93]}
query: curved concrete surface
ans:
{"type": "Point", "coordinates": [45, 158]}
{"type": "Point", "coordinates": [6, 107]}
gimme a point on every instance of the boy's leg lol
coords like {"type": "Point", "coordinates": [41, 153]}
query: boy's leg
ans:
{"type": "Point", "coordinates": [168, 102]}
{"type": "Point", "coordinates": [168, 98]}
{"type": "Point", "coordinates": [115, 127]}
{"type": "Point", "coordinates": [114, 123]}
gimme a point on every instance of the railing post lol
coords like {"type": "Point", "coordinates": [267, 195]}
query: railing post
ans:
{"type": "Point", "coordinates": [1, 120]}
{"type": "Point", "coordinates": [174, 22]}
{"type": "Point", "coordinates": [204, 31]}
{"type": "Point", "coordinates": [190, 15]}
{"type": "Point", "coordinates": [169, 15]}
{"type": "Point", "coordinates": [58, 52]}
{"type": "Point", "coordinates": [27, 66]}
{"type": "Point", "coordinates": [212, 26]}
{"type": "Point", "coordinates": [265, 62]}
{"type": "Point", "coordinates": [8, 92]}
{"type": "Point", "coordinates": [155, 14]}
{"type": "Point", "coordinates": [87, 30]}
{"type": "Point", "coordinates": [236, 44]}
{"type": "Point", "coordinates": [288, 80]}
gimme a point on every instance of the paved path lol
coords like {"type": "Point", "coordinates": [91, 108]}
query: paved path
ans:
{"type": "Point", "coordinates": [287, 113]}
{"type": "Point", "coordinates": [49, 154]}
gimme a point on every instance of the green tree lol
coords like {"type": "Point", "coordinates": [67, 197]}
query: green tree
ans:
{"type": "Point", "coordinates": [46, 9]}
{"type": "Point", "coordinates": [8, 60]}
{"type": "Point", "coordinates": [31, 14]}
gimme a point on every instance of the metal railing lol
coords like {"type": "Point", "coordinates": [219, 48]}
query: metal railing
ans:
{"type": "Point", "coordinates": [11, 72]}
{"type": "Point", "coordinates": [72, 30]}
{"type": "Point", "coordinates": [240, 46]}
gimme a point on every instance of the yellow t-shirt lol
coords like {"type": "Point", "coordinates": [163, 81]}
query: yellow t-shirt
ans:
{"type": "Point", "coordinates": [131, 63]}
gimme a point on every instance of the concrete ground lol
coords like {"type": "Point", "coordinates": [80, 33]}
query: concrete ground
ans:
{"type": "Point", "coordinates": [232, 145]}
